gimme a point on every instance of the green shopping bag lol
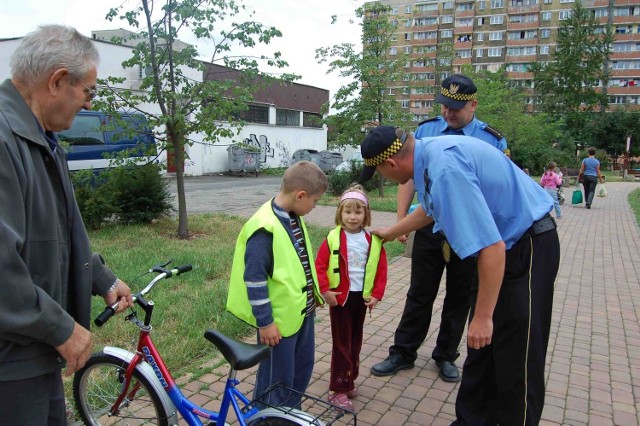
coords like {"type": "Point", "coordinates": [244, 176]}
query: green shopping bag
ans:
{"type": "Point", "coordinates": [576, 198]}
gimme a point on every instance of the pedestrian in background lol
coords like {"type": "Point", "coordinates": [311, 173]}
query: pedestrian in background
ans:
{"type": "Point", "coordinates": [551, 181]}
{"type": "Point", "coordinates": [590, 175]}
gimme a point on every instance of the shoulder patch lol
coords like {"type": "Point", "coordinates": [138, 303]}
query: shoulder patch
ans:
{"type": "Point", "coordinates": [493, 131]}
{"type": "Point", "coordinates": [429, 120]}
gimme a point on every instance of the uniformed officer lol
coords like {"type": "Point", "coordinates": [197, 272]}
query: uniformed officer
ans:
{"type": "Point", "coordinates": [431, 253]}
{"type": "Point", "coordinates": [490, 210]}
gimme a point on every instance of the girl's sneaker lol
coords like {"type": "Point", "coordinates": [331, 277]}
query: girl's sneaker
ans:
{"type": "Point", "coordinates": [340, 399]}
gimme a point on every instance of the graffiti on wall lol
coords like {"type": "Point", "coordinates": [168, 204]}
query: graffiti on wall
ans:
{"type": "Point", "coordinates": [262, 142]}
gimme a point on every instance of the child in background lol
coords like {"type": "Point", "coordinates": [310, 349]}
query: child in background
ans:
{"type": "Point", "coordinates": [273, 283]}
{"type": "Point", "coordinates": [550, 181]}
{"type": "Point", "coordinates": [352, 272]}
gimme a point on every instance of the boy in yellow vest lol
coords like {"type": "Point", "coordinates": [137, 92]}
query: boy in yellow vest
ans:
{"type": "Point", "coordinates": [274, 285]}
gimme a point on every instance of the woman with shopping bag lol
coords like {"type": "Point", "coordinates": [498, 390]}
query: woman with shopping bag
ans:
{"type": "Point", "coordinates": [590, 175]}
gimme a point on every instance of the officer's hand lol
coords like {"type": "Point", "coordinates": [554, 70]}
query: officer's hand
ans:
{"type": "Point", "coordinates": [384, 233]}
{"type": "Point", "coordinates": [480, 332]}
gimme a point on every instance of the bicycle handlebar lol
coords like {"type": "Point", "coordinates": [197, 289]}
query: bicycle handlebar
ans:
{"type": "Point", "coordinates": [109, 311]}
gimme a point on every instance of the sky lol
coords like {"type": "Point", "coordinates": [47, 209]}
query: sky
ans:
{"type": "Point", "coordinates": [305, 26]}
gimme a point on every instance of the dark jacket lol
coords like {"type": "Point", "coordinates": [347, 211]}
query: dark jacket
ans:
{"type": "Point", "coordinates": [48, 270]}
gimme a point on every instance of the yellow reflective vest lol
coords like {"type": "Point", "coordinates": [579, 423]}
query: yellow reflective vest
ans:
{"type": "Point", "coordinates": [370, 270]}
{"type": "Point", "coordinates": [287, 284]}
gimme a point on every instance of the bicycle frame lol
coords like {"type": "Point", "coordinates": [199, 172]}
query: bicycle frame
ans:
{"type": "Point", "coordinates": [190, 412]}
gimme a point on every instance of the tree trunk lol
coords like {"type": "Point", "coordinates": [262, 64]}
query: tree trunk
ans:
{"type": "Point", "coordinates": [176, 143]}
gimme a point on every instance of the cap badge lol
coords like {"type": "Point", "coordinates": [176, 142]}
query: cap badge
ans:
{"type": "Point", "coordinates": [453, 88]}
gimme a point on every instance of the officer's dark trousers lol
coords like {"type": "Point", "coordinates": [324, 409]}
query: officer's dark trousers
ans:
{"type": "Point", "coordinates": [427, 266]}
{"type": "Point", "coordinates": [503, 383]}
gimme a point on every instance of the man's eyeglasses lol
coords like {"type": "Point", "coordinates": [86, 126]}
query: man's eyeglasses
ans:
{"type": "Point", "coordinates": [91, 93]}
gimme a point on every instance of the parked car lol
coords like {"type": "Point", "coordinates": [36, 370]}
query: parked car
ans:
{"type": "Point", "coordinates": [95, 137]}
{"type": "Point", "coordinates": [346, 164]}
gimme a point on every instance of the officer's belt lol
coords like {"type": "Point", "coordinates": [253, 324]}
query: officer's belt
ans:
{"type": "Point", "coordinates": [541, 226]}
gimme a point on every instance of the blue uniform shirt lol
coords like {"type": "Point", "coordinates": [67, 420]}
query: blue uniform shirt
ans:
{"type": "Point", "coordinates": [438, 127]}
{"type": "Point", "coordinates": [476, 195]}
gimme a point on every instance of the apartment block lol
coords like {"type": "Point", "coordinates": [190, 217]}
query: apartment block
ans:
{"type": "Point", "coordinates": [515, 33]}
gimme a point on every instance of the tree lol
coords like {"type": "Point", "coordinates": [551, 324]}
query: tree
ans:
{"type": "Point", "coordinates": [375, 71]}
{"type": "Point", "coordinates": [533, 138]}
{"type": "Point", "coordinates": [188, 106]}
{"type": "Point", "coordinates": [569, 84]}
{"type": "Point", "coordinates": [609, 132]}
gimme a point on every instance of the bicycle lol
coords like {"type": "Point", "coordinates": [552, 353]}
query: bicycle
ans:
{"type": "Point", "coordinates": [120, 387]}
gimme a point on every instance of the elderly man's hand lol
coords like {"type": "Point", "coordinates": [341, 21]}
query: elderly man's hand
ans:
{"type": "Point", "coordinates": [385, 233]}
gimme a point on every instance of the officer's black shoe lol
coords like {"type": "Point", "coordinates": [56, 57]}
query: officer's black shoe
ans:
{"type": "Point", "coordinates": [448, 371]}
{"type": "Point", "coordinates": [394, 363]}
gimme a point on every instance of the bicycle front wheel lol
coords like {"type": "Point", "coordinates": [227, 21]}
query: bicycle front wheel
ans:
{"type": "Point", "coordinates": [97, 385]}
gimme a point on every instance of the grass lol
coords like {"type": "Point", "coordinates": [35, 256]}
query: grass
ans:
{"type": "Point", "coordinates": [634, 202]}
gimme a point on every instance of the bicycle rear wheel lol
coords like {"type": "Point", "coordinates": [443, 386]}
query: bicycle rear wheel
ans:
{"type": "Point", "coordinates": [98, 384]}
{"type": "Point", "coordinates": [274, 416]}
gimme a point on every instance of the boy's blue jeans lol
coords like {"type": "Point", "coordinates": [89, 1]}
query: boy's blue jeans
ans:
{"type": "Point", "coordinates": [291, 363]}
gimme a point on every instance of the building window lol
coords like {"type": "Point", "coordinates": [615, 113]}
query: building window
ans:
{"type": "Point", "coordinates": [545, 32]}
{"type": "Point", "coordinates": [482, 5]}
{"type": "Point", "coordinates": [464, 22]}
{"type": "Point", "coordinates": [407, 50]}
{"type": "Point", "coordinates": [464, 7]}
{"type": "Point", "coordinates": [407, 36]}
{"type": "Point", "coordinates": [393, 51]}
{"type": "Point", "coordinates": [394, 11]}
{"type": "Point", "coordinates": [567, 1]}
{"type": "Point", "coordinates": [407, 23]}
{"type": "Point", "coordinates": [447, 19]}
{"type": "Point", "coordinates": [447, 5]}
{"type": "Point", "coordinates": [423, 22]}
{"type": "Point", "coordinates": [287, 117]}
{"type": "Point", "coordinates": [517, 67]}
{"type": "Point", "coordinates": [546, 16]}
{"type": "Point", "coordinates": [521, 51]}
{"type": "Point", "coordinates": [563, 15]}
{"type": "Point", "coordinates": [479, 53]}
{"type": "Point", "coordinates": [601, 13]}
{"type": "Point", "coordinates": [480, 36]}
{"type": "Point", "coordinates": [480, 21]}
{"type": "Point", "coordinates": [394, 37]}
{"type": "Point", "coordinates": [544, 49]}
{"type": "Point", "coordinates": [466, 53]}
{"type": "Point", "coordinates": [255, 114]}
{"type": "Point", "coordinates": [310, 119]}
{"type": "Point", "coordinates": [495, 35]}
{"type": "Point", "coordinates": [496, 20]}
{"type": "Point", "coordinates": [404, 103]}
{"type": "Point", "coordinates": [494, 52]}
{"type": "Point", "coordinates": [497, 4]}
{"type": "Point", "coordinates": [428, 7]}
{"type": "Point", "coordinates": [446, 33]}
{"type": "Point", "coordinates": [407, 9]}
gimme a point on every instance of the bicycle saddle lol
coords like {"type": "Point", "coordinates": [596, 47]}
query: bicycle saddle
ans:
{"type": "Point", "coordinates": [239, 354]}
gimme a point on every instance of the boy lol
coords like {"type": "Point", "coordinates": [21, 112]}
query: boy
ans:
{"type": "Point", "coordinates": [274, 285]}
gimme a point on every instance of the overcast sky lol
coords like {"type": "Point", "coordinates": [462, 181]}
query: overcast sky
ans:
{"type": "Point", "coordinates": [305, 26]}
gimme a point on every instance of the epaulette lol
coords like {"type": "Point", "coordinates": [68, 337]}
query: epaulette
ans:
{"type": "Point", "coordinates": [493, 131]}
{"type": "Point", "coordinates": [428, 120]}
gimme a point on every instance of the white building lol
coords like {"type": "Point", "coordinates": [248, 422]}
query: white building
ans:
{"type": "Point", "coordinates": [277, 139]}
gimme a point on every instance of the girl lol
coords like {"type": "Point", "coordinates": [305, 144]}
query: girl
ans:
{"type": "Point", "coordinates": [352, 274]}
{"type": "Point", "coordinates": [550, 181]}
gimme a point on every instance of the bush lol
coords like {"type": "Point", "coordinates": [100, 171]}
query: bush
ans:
{"type": "Point", "coordinates": [128, 194]}
{"type": "Point", "coordinates": [94, 203]}
{"type": "Point", "coordinates": [340, 181]}
{"type": "Point", "coordinates": [140, 194]}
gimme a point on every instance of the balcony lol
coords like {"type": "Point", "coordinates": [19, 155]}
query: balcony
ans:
{"type": "Point", "coordinates": [628, 37]}
{"type": "Point", "coordinates": [595, 3]}
{"type": "Point", "coordinates": [522, 25]}
{"type": "Point", "coordinates": [458, 45]}
{"type": "Point", "coordinates": [523, 42]}
{"type": "Point", "coordinates": [515, 10]}
{"type": "Point", "coordinates": [625, 55]}
{"type": "Point", "coordinates": [629, 90]}
{"type": "Point", "coordinates": [520, 59]}
{"type": "Point", "coordinates": [520, 75]}
{"type": "Point", "coordinates": [465, 14]}
{"type": "Point", "coordinates": [462, 61]}
{"type": "Point", "coordinates": [425, 14]}
{"type": "Point", "coordinates": [626, 19]}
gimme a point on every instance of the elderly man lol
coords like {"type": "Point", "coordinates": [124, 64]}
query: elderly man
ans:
{"type": "Point", "coordinates": [490, 210]}
{"type": "Point", "coordinates": [49, 271]}
{"type": "Point", "coordinates": [431, 253]}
